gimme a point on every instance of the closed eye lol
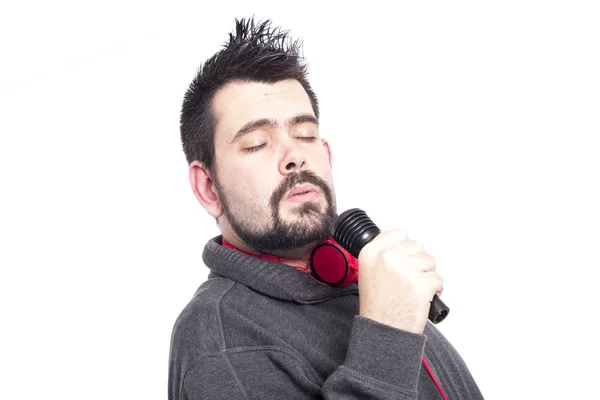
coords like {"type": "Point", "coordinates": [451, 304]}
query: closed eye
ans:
{"type": "Point", "coordinates": [255, 148]}
{"type": "Point", "coordinates": [307, 138]}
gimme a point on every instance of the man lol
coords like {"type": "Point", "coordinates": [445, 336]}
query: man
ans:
{"type": "Point", "coordinates": [261, 327]}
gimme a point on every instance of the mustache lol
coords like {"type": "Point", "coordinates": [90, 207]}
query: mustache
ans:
{"type": "Point", "coordinates": [294, 179]}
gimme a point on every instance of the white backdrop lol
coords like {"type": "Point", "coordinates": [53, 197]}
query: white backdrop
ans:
{"type": "Point", "coordinates": [474, 127]}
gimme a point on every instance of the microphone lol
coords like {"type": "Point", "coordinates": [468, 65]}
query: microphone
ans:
{"type": "Point", "coordinates": [353, 229]}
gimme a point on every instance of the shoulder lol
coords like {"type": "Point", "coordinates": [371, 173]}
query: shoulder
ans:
{"type": "Point", "coordinates": [197, 328]}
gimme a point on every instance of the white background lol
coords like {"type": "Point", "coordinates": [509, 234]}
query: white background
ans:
{"type": "Point", "coordinates": [473, 126]}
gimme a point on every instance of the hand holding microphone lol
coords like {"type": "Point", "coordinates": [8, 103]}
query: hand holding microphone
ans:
{"type": "Point", "coordinates": [398, 282]}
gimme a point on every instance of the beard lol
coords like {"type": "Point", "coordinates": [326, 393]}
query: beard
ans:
{"type": "Point", "coordinates": [314, 222]}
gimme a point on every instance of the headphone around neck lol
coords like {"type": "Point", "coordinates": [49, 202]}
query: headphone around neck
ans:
{"type": "Point", "coordinates": [328, 263]}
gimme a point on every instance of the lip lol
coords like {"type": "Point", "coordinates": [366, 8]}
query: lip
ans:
{"type": "Point", "coordinates": [303, 192]}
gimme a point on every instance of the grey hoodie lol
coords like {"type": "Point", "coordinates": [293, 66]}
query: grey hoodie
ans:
{"type": "Point", "coordinates": [258, 329]}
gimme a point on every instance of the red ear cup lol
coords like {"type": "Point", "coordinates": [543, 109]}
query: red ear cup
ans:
{"type": "Point", "coordinates": [329, 263]}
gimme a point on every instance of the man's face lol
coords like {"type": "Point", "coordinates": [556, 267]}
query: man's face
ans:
{"type": "Point", "coordinates": [272, 170]}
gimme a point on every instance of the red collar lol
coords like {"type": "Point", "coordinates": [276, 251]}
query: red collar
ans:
{"type": "Point", "coordinates": [266, 256]}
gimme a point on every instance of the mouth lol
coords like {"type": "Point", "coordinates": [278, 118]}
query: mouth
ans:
{"type": "Point", "coordinates": [302, 193]}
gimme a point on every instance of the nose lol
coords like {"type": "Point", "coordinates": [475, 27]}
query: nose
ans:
{"type": "Point", "coordinates": [293, 160]}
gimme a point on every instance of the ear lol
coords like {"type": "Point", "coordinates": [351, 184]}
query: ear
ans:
{"type": "Point", "coordinates": [204, 189]}
{"type": "Point", "coordinates": [328, 152]}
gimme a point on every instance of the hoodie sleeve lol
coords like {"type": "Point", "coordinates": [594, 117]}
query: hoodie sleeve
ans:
{"type": "Point", "coordinates": [376, 367]}
{"type": "Point", "coordinates": [382, 362]}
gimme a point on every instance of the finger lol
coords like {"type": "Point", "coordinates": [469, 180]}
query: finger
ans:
{"type": "Point", "coordinates": [439, 288]}
{"type": "Point", "coordinates": [388, 239]}
{"type": "Point", "coordinates": [411, 247]}
{"type": "Point", "coordinates": [436, 281]}
{"type": "Point", "coordinates": [424, 261]}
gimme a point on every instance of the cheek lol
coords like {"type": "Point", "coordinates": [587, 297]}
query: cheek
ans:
{"type": "Point", "coordinates": [249, 188]}
{"type": "Point", "coordinates": [322, 167]}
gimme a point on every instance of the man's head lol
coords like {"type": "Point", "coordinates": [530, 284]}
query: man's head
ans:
{"type": "Point", "coordinates": [249, 127]}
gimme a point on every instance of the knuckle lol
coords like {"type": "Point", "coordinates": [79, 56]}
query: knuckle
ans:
{"type": "Point", "coordinates": [418, 248]}
{"type": "Point", "coordinates": [397, 234]}
{"type": "Point", "coordinates": [388, 255]}
{"type": "Point", "coordinates": [428, 258]}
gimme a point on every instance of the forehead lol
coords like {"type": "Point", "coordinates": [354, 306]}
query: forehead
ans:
{"type": "Point", "coordinates": [237, 103]}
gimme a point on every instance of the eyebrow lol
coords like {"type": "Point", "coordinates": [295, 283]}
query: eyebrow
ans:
{"type": "Point", "coordinates": [272, 124]}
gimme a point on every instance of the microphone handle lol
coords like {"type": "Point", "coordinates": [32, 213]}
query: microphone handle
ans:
{"type": "Point", "coordinates": [438, 310]}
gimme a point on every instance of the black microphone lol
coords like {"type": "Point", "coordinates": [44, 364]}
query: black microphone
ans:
{"type": "Point", "coordinates": [353, 229]}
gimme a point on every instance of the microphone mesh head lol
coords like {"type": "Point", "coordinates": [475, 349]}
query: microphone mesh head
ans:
{"type": "Point", "coordinates": [353, 229]}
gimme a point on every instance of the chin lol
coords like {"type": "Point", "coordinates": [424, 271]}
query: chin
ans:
{"type": "Point", "coordinates": [307, 209]}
